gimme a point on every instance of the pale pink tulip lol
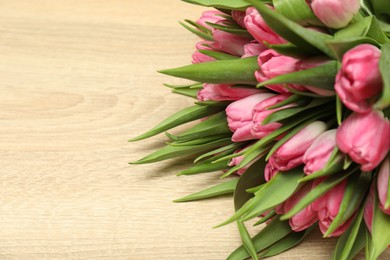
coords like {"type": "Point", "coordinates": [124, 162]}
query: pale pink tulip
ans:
{"type": "Point", "coordinates": [383, 185]}
{"type": "Point", "coordinates": [253, 49]}
{"type": "Point", "coordinates": [319, 152]}
{"type": "Point", "coordinates": [273, 64]}
{"type": "Point", "coordinates": [211, 16]}
{"type": "Point", "coordinates": [198, 57]}
{"type": "Point", "coordinates": [239, 116]}
{"type": "Point", "coordinates": [328, 207]}
{"type": "Point", "coordinates": [225, 92]}
{"type": "Point", "coordinates": [335, 13]}
{"type": "Point", "coordinates": [259, 29]}
{"type": "Point", "coordinates": [365, 138]}
{"type": "Point", "coordinates": [239, 16]}
{"type": "Point", "coordinates": [261, 111]}
{"type": "Point", "coordinates": [290, 154]}
{"type": "Point", "coordinates": [359, 80]}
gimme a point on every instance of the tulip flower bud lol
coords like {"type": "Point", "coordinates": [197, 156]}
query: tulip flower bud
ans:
{"type": "Point", "coordinates": [253, 49]}
{"type": "Point", "coordinates": [290, 154]}
{"type": "Point", "coordinates": [239, 116]}
{"type": "Point", "coordinates": [383, 185]}
{"type": "Point", "coordinates": [237, 160]}
{"type": "Point", "coordinates": [238, 17]}
{"type": "Point", "coordinates": [369, 209]}
{"type": "Point", "coordinates": [365, 138]}
{"type": "Point", "coordinates": [224, 92]}
{"type": "Point", "coordinates": [319, 152]}
{"type": "Point", "coordinates": [335, 13]}
{"type": "Point", "coordinates": [198, 57]}
{"type": "Point", "coordinates": [211, 16]}
{"type": "Point", "coordinates": [359, 80]}
{"type": "Point", "coordinates": [259, 29]}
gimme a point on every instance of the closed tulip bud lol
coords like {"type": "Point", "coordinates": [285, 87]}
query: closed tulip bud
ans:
{"type": "Point", "coordinates": [259, 29]}
{"type": "Point", "coordinates": [229, 42]}
{"type": "Point", "coordinates": [328, 207]}
{"type": "Point", "coordinates": [365, 138]}
{"type": "Point", "coordinates": [261, 111]}
{"type": "Point", "coordinates": [211, 16]}
{"type": "Point", "coordinates": [238, 17]}
{"type": "Point", "coordinates": [224, 92]}
{"type": "Point", "coordinates": [290, 154]}
{"type": "Point", "coordinates": [306, 217]}
{"type": "Point", "coordinates": [359, 80]}
{"type": "Point", "coordinates": [319, 152]}
{"type": "Point", "coordinates": [253, 49]}
{"type": "Point", "coordinates": [198, 57]}
{"type": "Point", "coordinates": [237, 160]}
{"type": "Point", "coordinates": [335, 13]}
{"type": "Point", "coordinates": [239, 116]}
{"type": "Point", "coordinates": [383, 185]}
{"type": "Point", "coordinates": [273, 64]}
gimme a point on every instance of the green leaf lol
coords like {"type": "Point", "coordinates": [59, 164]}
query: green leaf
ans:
{"type": "Point", "coordinates": [246, 240]}
{"type": "Point", "coordinates": [189, 92]}
{"type": "Point", "coordinates": [224, 4]}
{"type": "Point", "coordinates": [315, 193]}
{"type": "Point", "coordinates": [267, 217]}
{"type": "Point", "coordinates": [230, 28]}
{"type": "Point", "coordinates": [200, 140]}
{"type": "Point", "coordinates": [217, 190]}
{"type": "Point", "coordinates": [339, 110]}
{"type": "Point", "coordinates": [183, 116]}
{"type": "Point", "coordinates": [286, 243]}
{"type": "Point", "coordinates": [311, 41]}
{"type": "Point", "coordinates": [384, 66]}
{"type": "Point", "coordinates": [197, 32]}
{"type": "Point", "coordinates": [289, 49]}
{"type": "Point", "coordinates": [170, 151]}
{"type": "Point", "coordinates": [192, 86]}
{"type": "Point", "coordinates": [296, 10]}
{"type": "Point", "coordinates": [322, 76]}
{"type": "Point", "coordinates": [232, 146]}
{"type": "Point", "coordinates": [237, 71]}
{"type": "Point", "coordinates": [272, 233]}
{"type": "Point", "coordinates": [341, 46]}
{"type": "Point", "coordinates": [335, 166]}
{"type": "Point", "coordinates": [381, 9]}
{"type": "Point", "coordinates": [218, 55]}
{"type": "Point", "coordinates": [380, 237]}
{"type": "Point", "coordinates": [352, 240]}
{"type": "Point", "coordinates": [355, 191]}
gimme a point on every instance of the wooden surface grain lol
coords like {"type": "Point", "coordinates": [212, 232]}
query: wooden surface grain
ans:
{"type": "Point", "coordinates": [78, 78]}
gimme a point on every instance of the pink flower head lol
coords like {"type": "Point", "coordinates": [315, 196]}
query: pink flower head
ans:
{"type": "Point", "coordinates": [383, 185]}
{"type": "Point", "coordinates": [328, 207]}
{"type": "Point", "coordinates": [273, 64]}
{"type": "Point", "coordinates": [365, 138]}
{"type": "Point", "coordinates": [225, 92]}
{"type": "Point", "coordinates": [261, 111]}
{"type": "Point", "coordinates": [211, 16]}
{"type": "Point", "coordinates": [290, 154]}
{"type": "Point", "coordinates": [306, 217]}
{"type": "Point", "coordinates": [239, 16]}
{"type": "Point", "coordinates": [198, 57]}
{"type": "Point", "coordinates": [258, 28]}
{"type": "Point", "coordinates": [237, 160]}
{"type": "Point", "coordinates": [229, 42]}
{"type": "Point", "coordinates": [335, 13]}
{"type": "Point", "coordinates": [319, 152]}
{"type": "Point", "coordinates": [359, 80]}
{"type": "Point", "coordinates": [253, 49]}
{"type": "Point", "coordinates": [239, 116]}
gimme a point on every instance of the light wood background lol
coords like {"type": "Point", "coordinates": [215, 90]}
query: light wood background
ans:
{"type": "Point", "coordinates": [78, 78]}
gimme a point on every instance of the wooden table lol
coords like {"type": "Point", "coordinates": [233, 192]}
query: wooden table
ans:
{"type": "Point", "coordinates": [78, 78]}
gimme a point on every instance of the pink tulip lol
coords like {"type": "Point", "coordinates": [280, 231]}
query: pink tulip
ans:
{"type": "Point", "coordinates": [229, 42]}
{"type": "Point", "coordinates": [261, 111]}
{"type": "Point", "coordinates": [211, 16]}
{"type": "Point", "coordinates": [319, 152]}
{"type": "Point", "coordinates": [383, 185]}
{"type": "Point", "coordinates": [365, 138]}
{"type": "Point", "coordinates": [359, 80]}
{"type": "Point", "coordinates": [237, 160]}
{"type": "Point", "coordinates": [335, 13]}
{"type": "Point", "coordinates": [239, 116]}
{"type": "Point", "coordinates": [328, 207]}
{"type": "Point", "coordinates": [290, 154]}
{"type": "Point", "coordinates": [224, 92]}
{"type": "Point", "coordinates": [253, 49]}
{"type": "Point", "coordinates": [198, 57]}
{"type": "Point", "coordinates": [273, 64]}
{"type": "Point", "coordinates": [369, 209]}
{"type": "Point", "coordinates": [303, 219]}
{"type": "Point", "coordinates": [239, 16]}
{"type": "Point", "coordinates": [258, 28]}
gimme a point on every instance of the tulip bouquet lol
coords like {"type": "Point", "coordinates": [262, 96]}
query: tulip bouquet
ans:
{"type": "Point", "coordinates": [293, 99]}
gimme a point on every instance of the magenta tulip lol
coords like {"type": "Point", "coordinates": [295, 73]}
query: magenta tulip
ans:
{"type": "Point", "coordinates": [239, 116]}
{"type": "Point", "coordinates": [290, 154]}
{"type": "Point", "coordinates": [359, 80]}
{"type": "Point", "coordinates": [319, 152]}
{"type": "Point", "coordinates": [365, 138]}
{"type": "Point", "coordinates": [261, 111]}
{"type": "Point", "coordinates": [198, 57]}
{"type": "Point", "coordinates": [253, 49]}
{"type": "Point", "coordinates": [335, 13]}
{"type": "Point", "coordinates": [328, 207]}
{"type": "Point", "coordinates": [383, 185]}
{"type": "Point", "coordinates": [258, 28]}
{"type": "Point", "coordinates": [224, 92]}
{"type": "Point", "coordinates": [273, 64]}
{"type": "Point", "coordinates": [211, 16]}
